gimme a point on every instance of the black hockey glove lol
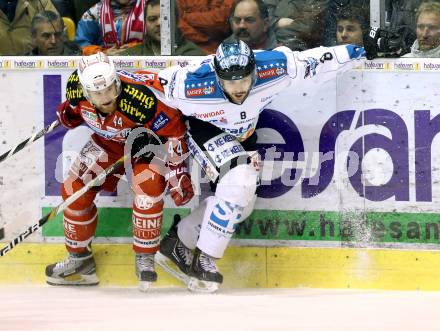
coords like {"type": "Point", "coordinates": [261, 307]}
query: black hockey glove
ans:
{"type": "Point", "coordinates": [145, 145]}
{"type": "Point", "coordinates": [383, 43]}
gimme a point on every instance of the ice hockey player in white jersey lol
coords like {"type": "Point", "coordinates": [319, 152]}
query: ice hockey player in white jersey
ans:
{"type": "Point", "coordinates": [222, 98]}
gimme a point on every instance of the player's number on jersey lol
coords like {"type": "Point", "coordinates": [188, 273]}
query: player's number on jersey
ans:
{"type": "Point", "coordinates": [117, 121]}
{"type": "Point", "coordinates": [175, 146]}
{"type": "Point", "coordinates": [243, 115]}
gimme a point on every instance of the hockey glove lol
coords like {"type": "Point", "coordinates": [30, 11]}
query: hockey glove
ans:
{"type": "Point", "coordinates": [68, 116]}
{"type": "Point", "coordinates": [179, 182]}
{"type": "Point", "coordinates": [383, 43]}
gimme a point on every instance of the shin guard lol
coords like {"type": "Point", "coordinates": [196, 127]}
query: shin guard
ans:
{"type": "Point", "coordinates": [147, 222]}
{"type": "Point", "coordinates": [79, 228]}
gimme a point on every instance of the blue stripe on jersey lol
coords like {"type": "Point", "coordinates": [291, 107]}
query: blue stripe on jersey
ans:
{"type": "Point", "coordinates": [271, 65]}
{"type": "Point", "coordinates": [355, 52]}
{"type": "Point", "coordinates": [202, 84]}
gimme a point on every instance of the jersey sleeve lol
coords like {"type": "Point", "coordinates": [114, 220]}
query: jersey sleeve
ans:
{"type": "Point", "coordinates": [173, 78]}
{"type": "Point", "coordinates": [169, 78]}
{"type": "Point", "coordinates": [321, 61]}
{"type": "Point", "coordinates": [74, 92]}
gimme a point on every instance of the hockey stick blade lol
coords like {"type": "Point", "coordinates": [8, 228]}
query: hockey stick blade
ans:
{"type": "Point", "coordinates": [22, 236]}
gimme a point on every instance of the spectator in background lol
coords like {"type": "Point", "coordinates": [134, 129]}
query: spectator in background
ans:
{"type": "Point", "coordinates": [250, 23]}
{"type": "Point", "coordinates": [204, 22]}
{"type": "Point", "coordinates": [151, 44]}
{"type": "Point", "coordinates": [304, 16]}
{"type": "Point", "coordinates": [351, 24]}
{"type": "Point", "coordinates": [15, 24]}
{"type": "Point", "coordinates": [400, 18]}
{"type": "Point", "coordinates": [81, 6]}
{"type": "Point", "coordinates": [334, 8]}
{"type": "Point", "coordinates": [111, 26]}
{"type": "Point", "coordinates": [427, 43]}
{"type": "Point", "coordinates": [47, 30]}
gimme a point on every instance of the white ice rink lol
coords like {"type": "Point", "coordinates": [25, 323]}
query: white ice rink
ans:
{"type": "Point", "coordinates": [107, 309]}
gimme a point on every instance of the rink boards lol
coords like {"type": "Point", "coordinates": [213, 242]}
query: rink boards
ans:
{"type": "Point", "coordinates": [349, 196]}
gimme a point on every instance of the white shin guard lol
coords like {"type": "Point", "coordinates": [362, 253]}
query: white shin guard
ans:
{"type": "Point", "coordinates": [219, 222]}
{"type": "Point", "coordinates": [233, 202]}
{"type": "Point", "coordinates": [188, 229]}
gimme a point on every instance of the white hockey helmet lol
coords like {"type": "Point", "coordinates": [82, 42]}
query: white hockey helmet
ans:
{"type": "Point", "coordinates": [97, 72]}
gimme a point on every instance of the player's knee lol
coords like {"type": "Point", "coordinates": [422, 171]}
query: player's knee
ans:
{"type": "Point", "coordinates": [84, 202]}
{"type": "Point", "coordinates": [238, 185]}
{"type": "Point", "coordinates": [147, 181]}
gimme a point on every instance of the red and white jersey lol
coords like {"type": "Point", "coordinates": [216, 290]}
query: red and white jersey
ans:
{"type": "Point", "coordinates": [137, 106]}
{"type": "Point", "coordinates": [195, 91]}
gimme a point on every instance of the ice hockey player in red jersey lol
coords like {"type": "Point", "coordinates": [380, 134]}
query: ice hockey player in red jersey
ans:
{"type": "Point", "coordinates": [113, 104]}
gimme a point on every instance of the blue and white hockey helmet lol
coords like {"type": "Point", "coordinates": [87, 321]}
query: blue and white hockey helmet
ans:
{"type": "Point", "coordinates": [234, 60]}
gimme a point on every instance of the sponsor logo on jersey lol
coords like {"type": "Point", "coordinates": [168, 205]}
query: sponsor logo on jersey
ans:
{"type": "Point", "coordinates": [310, 67]}
{"type": "Point", "coordinates": [199, 91]}
{"type": "Point", "coordinates": [270, 73]}
{"type": "Point", "coordinates": [87, 115]}
{"type": "Point", "coordinates": [202, 159]}
{"type": "Point", "coordinates": [145, 100]}
{"type": "Point", "coordinates": [209, 114]}
{"type": "Point", "coordinates": [160, 121]}
{"type": "Point", "coordinates": [266, 98]}
{"type": "Point", "coordinates": [126, 107]}
{"type": "Point", "coordinates": [223, 147]}
{"type": "Point", "coordinates": [237, 132]}
{"type": "Point", "coordinates": [142, 78]}
{"type": "Point", "coordinates": [222, 120]}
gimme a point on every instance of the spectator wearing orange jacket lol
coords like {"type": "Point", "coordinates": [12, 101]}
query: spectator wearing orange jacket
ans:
{"type": "Point", "coordinates": [204, 22]}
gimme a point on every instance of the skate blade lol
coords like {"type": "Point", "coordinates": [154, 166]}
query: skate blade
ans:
{"type": "Point", "coordinates": [74, 280]}
{"type": "Point", "coordinates": [169, 266]}
{"type": "Point", "coordinates": [201, 286]}
{"type": "Point", "coordinates": [144, 286]}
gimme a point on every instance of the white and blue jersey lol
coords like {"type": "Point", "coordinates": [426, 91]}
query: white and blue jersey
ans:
{"type": "Point", "coordinates": [196, 92]}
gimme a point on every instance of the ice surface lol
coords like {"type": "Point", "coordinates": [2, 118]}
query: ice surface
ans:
{"type": "Point", "coordinates": [48, 308]}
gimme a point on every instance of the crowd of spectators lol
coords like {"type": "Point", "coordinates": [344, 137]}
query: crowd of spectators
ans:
{"type": "Point", "coordinates": [132, 27]}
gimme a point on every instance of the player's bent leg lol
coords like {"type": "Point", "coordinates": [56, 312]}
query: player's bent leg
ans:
{"type": "Point", "coordinates": [147, 221]}
{"type": "Point", "coordinates": [80, 217]}
{"type": "Point", "coordinates": [235, 195]}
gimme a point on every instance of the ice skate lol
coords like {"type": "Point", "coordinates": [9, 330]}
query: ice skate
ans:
{"type": "Point", "coordinates": [173, 256]}
{"type": "Point", "coordinates": [76, 269]}
{"type": "Point", "coordinates": [204, 274]}
{"type": "Point", "coordinates": [145, 271]}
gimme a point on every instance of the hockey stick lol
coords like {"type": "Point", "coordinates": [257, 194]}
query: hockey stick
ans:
{"type": "Point", "coordinates": [22, 236]}
{"type": "Point", "coordinates": [29, 140]}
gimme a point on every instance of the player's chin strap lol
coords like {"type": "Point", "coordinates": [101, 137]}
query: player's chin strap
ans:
{"type": "Point", "coordinates": [29, 141]}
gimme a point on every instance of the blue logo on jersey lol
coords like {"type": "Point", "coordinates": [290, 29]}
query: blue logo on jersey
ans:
{"type": "Point", "coordinates": [160, 121]}
{"type": "Point", "coordinates": [355, 52]}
